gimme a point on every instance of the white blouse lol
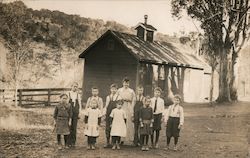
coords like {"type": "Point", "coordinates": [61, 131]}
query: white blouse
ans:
{"type": "Point", "coordinates": [74, 96]}
{"type": "Point", "coordinates": [127, 94]}
{"type": "Point", "coordinates": [160, 105]}
{"type": "Point", "coordinates": [174, 111]}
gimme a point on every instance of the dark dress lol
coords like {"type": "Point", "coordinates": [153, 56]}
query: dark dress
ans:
{"type": "Point", "coordinates": [137, 107]}
{"type": "Point", "coordinates": [62, 114]}
{"type": "Point", "coordinates": [110, 107]}
{"type": "Point", "coordinates": [146, 116]}
{"type": "Point", "coordinates": [75, 117]}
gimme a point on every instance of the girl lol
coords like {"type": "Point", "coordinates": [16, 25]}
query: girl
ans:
{"type": "Point", "coordinates": [62, 120]}
{"type": "Point", "coordinates": [128, 96]}
{"type": "Point", "coordinates": [146, 123]}
{"type": "Point", "coordinates": [118, 127]}
{"type": "Point", "coordinates": [92, 123]}
{"type": "Point", "coordinates": [174, 119]}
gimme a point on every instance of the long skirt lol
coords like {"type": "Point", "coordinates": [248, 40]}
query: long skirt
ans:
{"type": "Point", "coordinates": [127, 107]}
{"type": "Point", "coordinates": [172, 129]}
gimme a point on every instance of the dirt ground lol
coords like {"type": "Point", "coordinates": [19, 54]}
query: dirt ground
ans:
{"type": "Point", "coordinates": [220, 132]}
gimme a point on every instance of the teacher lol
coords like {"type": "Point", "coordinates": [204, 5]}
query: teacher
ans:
{"type": "Point", "coordinates": [128, 96]}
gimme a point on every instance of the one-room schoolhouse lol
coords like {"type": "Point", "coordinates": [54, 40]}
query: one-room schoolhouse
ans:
{"type": "Point", "coordinates": [145, 62]}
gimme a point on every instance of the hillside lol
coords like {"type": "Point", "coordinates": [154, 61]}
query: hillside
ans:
{"type": "Point", "coordinates": [52, 41]}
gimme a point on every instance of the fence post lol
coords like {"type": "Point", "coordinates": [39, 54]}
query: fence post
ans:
{"type": "Point", "coordinates": [49, 93]}
{"type": "Point", "coordinates": [20, 97]}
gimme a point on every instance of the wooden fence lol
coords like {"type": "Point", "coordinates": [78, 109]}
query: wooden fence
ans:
{"type": "Point", "coordinates": [41, 96]}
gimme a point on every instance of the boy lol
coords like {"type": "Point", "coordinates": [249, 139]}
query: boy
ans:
{"type": "Point", "coordinates": [174, 119]}
{"type": "Point", "coordinates": [95, 92]}
{"type": "Point", "coordinates": [75, 102]}
{"type": "Point", "coordinates": [110, 105]}
{"type": "Point", "coordinates": [157, 104]}
{"type": "Point", "coordinates": [138, 105]}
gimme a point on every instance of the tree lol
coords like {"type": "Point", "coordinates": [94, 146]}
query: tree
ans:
{"type": "Point", "coordinates": [225, 25]}
{"type": "Point", "coordinates": [20, 32]}
{"type": "Point", "coordinates": [12, 19]}
{"type": "Point", "coordinates": [47, 41]}
{"type": "Point", "coordinates": [210, 54]}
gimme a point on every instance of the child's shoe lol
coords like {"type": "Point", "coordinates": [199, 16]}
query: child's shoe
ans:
{"type": "Point", "coordinates": [147, 148]}
{"type": "Point", "coordinates": [151, 146]}
{"type": "Point", "coordinates": [66, 146]}
{"type": "Point", "coordinates": [93, 147]}
{"type": "Point", "coordinates": [136, 144]}
{"type": "Point", "coordinates": [59, 146]}
{"type": "Point", "coordinates": [114, 146]}
{"type": "Point", "coordinates": [167, 147]}
{"type": "Point", "coordinates": [88, 147]}
{"type": "Point", "coordinates": [156, 146]}
{"type": "Point", "coordinates": [175, 148]}
{"type": "Point", "coordinates": [143, 148]}
{"type": "Point", "coordinates": [118, 147]}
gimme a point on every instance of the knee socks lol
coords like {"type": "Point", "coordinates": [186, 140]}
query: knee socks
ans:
{"type": "Point", "coordinates": [175, 140]}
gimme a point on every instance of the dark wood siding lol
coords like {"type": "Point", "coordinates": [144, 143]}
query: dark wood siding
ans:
{"type": "Point", "coordinates": [140, 32]}
{"type": "Point", "coordinates": [150, 36]}
{"type": "Point", "coordinates": [104, 66]}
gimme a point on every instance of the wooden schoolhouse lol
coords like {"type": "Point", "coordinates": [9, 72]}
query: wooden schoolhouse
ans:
{"type": "Point", "coordinates": [145, 62]}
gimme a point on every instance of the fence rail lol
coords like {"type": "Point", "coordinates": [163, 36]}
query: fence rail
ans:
{"type": "Point", "coordinates": [38, 96]}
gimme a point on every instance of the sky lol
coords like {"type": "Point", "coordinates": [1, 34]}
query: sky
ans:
{"type": "Point", "coordinates": [128, 13]}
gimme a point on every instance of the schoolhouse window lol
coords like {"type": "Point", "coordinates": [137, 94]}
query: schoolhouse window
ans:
{"type": "Point", "coordinates": [111, 44]}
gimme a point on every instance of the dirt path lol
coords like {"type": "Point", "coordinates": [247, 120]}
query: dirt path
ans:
{"type": "Point", "coordinates": [220, 132]}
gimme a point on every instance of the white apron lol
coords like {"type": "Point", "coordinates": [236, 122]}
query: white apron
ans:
{"type": "Point", "coordinates": [93, 115]}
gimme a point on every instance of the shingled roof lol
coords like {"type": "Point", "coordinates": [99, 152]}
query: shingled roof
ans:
{"type": "Point", "coordinates": [154, 52]}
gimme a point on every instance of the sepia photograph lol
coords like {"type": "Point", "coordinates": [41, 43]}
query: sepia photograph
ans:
{"type": "Point", "coordinates": [124, 78]}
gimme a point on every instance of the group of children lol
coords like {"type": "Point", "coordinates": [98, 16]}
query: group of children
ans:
{"type": "Point", "coordinates": [129, 116]}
